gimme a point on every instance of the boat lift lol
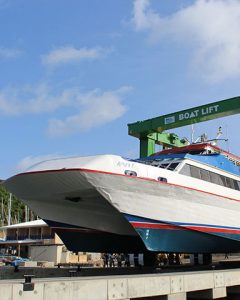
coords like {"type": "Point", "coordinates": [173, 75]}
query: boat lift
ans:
{"type": "Point", "coordinates": [151, 131]}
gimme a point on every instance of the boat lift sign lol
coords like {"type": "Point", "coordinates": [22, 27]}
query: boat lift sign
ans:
{"type": "Point", "coordinates": [197, 114]}
{"type": "Point", "coordinates": [192, 114]}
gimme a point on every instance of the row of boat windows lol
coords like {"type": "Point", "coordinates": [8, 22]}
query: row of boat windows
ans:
{"type": "Point", "coordinates": [209, 176]}
{"type": "Point", "coordinates": [192, 171]}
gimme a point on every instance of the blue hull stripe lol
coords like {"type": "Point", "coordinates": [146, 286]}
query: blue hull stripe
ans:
{"type": "Point", "coordinates": [185, 237]}
{"type": "Point", "coordinates": [146, 221]}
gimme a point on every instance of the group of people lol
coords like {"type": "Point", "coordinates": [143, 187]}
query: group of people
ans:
{"type": "Point", "coordinates": [168, 259]}
{"type": "Point", "coordinates": [115, 260]}
{"type": "Point", "coordinates": [111, 260]}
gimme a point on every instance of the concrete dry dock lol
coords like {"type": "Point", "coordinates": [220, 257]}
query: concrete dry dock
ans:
{"type": "Point", "coordinates": [172, 286]}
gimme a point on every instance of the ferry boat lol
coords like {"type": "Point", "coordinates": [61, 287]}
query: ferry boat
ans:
{"type": "Point", "coordinates": [178, 200]}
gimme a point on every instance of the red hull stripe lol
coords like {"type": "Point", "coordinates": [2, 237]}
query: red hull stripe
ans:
{"type": "Point", "coordinates": [154, 225]}
{"type": "Point", "coordinates": [181, 227]}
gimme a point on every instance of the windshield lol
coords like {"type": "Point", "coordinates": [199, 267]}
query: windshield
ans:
{"type": "Point", "coordinates": [165, 163]}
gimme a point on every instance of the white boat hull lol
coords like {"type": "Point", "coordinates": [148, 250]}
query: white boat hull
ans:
{"type": "Point", "coordinates": [131, 211]}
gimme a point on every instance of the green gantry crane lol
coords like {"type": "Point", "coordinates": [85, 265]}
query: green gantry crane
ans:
{"type": "Point", "coordinates": [151, 131]}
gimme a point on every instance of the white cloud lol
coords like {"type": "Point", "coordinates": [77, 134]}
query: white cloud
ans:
{"type": "Point", "coordinates": [29, 161]}
{"type": "Point", "coordinates": [209, 27]}
{"type": "Point", "coordinates": [97, 108]}
{"type": "Point", "coordinates": [33, 99]}
{"type": "Point", "coordinates": [94, 108]}
{"type": "Point", "coordinates": [69, 54]}
{"type": "Point", "coordinates": [9, 52]}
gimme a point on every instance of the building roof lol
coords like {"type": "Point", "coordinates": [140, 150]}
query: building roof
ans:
{"type": "Point", "coordinates": [36, 223]}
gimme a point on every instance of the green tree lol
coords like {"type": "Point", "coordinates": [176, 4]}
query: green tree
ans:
{"type": "Point", "coordinates": [17, 208]}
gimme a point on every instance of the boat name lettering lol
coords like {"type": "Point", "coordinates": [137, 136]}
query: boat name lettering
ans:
{"type": "Point", "coordinates": [125, 164]}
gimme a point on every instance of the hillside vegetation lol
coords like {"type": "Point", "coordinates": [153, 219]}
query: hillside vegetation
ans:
{"type": "Point", "coordinates": [17, 208]}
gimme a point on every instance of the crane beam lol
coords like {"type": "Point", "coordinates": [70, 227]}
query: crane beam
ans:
{"type": "Point", "coordinates": [145, 130]}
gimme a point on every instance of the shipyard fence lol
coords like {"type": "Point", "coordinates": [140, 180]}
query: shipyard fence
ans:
{"type": "Point", "coordinates": [172, 286]}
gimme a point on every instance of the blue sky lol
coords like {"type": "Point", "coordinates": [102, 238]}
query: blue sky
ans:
{"type": "Point", "coordinates": [75, 73]}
